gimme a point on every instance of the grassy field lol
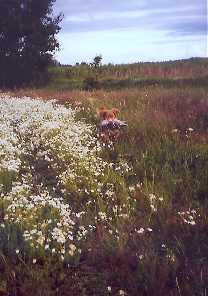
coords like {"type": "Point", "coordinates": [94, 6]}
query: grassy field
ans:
{"type": "Point", "coordinates": [82, 217]}
{"type": "Point", "coordinates": [191, 73]}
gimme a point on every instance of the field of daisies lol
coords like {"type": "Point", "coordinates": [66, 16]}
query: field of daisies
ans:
{"type": "Point", "coordinates": [83, 217]}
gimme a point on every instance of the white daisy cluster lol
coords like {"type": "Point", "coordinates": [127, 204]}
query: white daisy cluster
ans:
{"type": "Point", "coordinates": [10, 147]}
{"type": "Point", "coordinates": [45, 220]}
{"type": "Point", "coordinates": [56, 213]}
{"type": "Point", "coordinates": [189, 217]}
{"type": "Point", "coordinates": [153, 199]}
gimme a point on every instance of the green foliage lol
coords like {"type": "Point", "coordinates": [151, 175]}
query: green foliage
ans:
{"type": "Point", "coordinates": [27, 41]}
{"type": "Point", "coordinates": [91, 83]}
{"type": "Point", "coordinates": [6, 179]}
{"type": "Point", "coordinates": [115, 77]}
{"type": "Point", "coordinates": [158, 245]}
{"type": "Point", "coordinates": [97, 61]}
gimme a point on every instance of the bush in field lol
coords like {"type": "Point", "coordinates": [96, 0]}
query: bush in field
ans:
{"type": "Point", "coordinates": [91, 83]}
{"type": "Point", "coordinates": [97, 61]}
{"type": "Point", "coordinates": [27, 41]}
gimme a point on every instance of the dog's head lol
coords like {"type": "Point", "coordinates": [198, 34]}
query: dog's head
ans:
{"type": "Point", "coordinates": [108, 114]}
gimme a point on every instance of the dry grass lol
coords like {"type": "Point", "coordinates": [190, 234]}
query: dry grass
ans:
{"type": "Point", "coordinates": [180, 108]}
{"type": "Point", "coordinates": [166, 145]}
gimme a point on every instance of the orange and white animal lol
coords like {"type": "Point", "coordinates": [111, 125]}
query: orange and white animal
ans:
{"type": "Point", "coordinates": [109, 120]}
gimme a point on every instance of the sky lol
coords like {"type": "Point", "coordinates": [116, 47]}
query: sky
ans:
{"type": "Point", "coordinates": [126, 31]}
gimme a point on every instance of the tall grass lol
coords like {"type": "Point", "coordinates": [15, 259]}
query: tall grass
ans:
{"type": "Point", "coordinates": [192, 72]}
{"type": "Point", "coordinates": [159, 244]}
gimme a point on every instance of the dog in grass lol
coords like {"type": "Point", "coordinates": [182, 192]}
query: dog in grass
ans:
{"type": "Point", "coordinates": [110, 126]}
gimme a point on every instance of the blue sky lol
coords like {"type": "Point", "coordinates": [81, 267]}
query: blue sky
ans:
{"type": "Point", "coordinates": [126, 31]}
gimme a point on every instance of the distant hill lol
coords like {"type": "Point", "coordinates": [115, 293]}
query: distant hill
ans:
{"type": "Point", "coordinates": [192, 59]}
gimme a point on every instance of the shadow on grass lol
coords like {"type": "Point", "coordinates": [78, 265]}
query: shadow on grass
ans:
{"type": "Point", "coordinates": [117, 84]}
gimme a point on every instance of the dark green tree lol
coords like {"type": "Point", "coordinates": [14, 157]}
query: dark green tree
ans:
{"type": "Point", "coordinates": [97, 61]}
{"type": "Point", "coordinates": [92, 82]}
{"type": "Point", "coordinates": [27, 41]}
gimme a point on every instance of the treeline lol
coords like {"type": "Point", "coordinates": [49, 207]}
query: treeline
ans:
{"type": "Point", "coordinates": [190, 68]}
{"type": "Point", "coordinates": [27, 41]}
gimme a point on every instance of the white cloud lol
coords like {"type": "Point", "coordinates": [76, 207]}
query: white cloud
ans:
{"type": "Point", "coordinates": [124, 46]}
{"type": "Point", "coordinates": [125, 31]}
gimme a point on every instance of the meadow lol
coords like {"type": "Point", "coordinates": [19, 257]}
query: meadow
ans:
{"type": "Point", "coordinates": [114, 77]}
{"type": "Point", "coordinates": [79, 216]}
